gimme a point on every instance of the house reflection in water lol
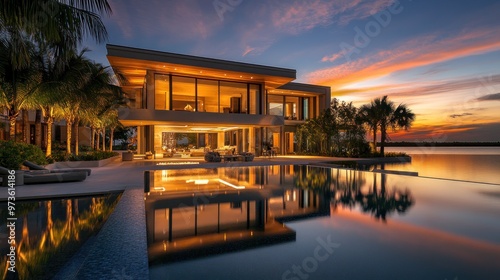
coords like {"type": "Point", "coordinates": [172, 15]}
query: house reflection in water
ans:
{"type": "Point", "coordinates": [200, 212]}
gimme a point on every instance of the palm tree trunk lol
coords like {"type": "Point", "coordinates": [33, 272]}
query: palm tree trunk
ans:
{"type": "Point", "coordinates": [50, 121]}
{"type": "Point", "coordinates": [382, 139]}
{"type": "Point", "coordinates": [92, 137]}
{"type": "Point", "coordinates": [26, 126]}
{"type": "Point", "coordinates": [38, 128]}
{"type": "Point", "coordinates": [375, 140]}
{"type": "Point", "coordinates": [69, 125]}
{"type": "Point", "coordinates": [12, 125]}
{"type": "Point", "coordinates": [104, 139]}
{"type": "Point", "coordinates": [98, 139]}
{"type": "Point", "coordinates": [111, 139]}
{"type": "Point", "coordinates": [77, 134]}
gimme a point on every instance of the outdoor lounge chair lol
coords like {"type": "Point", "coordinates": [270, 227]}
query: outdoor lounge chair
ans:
{"type": "Point", "coordinates": [45, 176]}
{"type": "Point", "coordinates": [68, 176]}
{"type": "Point", "coordinates": [34, 166]}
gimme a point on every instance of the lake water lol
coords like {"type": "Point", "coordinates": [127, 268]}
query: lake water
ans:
{"type": "Point", "coordinates": [303, 222]}
{"type": "Point", "coordinates": [477, 164]}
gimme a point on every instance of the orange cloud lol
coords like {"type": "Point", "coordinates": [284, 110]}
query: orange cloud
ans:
{"type": "Point", "coordinates": [426, 50]}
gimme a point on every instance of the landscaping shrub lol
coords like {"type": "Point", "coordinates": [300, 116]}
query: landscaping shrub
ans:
{"type": "Point", "coordinates": [12, 154]}
{"type": "Point", "coordinates": [94, 155]}
{"type": "Point", "coordinates": [86, 156]}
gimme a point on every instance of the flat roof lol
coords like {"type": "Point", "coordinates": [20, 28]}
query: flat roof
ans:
{"type": "Point", "coordinates": [306, 88]}
{"type": "Point", "coordinates": [134, 60]}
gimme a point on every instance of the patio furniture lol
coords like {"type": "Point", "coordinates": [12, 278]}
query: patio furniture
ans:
{"type": "Point", "coordinates": [34, 166]}
{"type": "Point", "coordinates": [199, 152]}
{"type": "Point", "coordinates": [62, 177]}
{"type": "Point", "coordinates": [42, 176]}
{"type": "Point", "coordinates": [247, 156]}
{"type": "Point", "coordinates": [127, 156]}
{"type": "Point", "coordinates": [212, 157]}
{"type": "Point", "coordinates": [230, 157]}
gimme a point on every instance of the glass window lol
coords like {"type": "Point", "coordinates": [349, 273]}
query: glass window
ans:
{"type": "Point", "coordinates": [233, 97]}
{"type": "Point", "coordinates": [291, 107]}
{"type": "Point", "coordinates": [208, 96]}
{"type": "Point", "coordinates": [183, 94]}
{"type": "Point", "coordinates": [254, 99]}
{"type": "Point", "coordinates": [305, 107]}
{"type": "Point", "coordinates": [275, 103]}
{"type": "Point", "coordinates": [162, 94]}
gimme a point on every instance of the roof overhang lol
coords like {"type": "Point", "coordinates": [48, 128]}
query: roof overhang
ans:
{"type": "Point", "coordinates": [133, 64]}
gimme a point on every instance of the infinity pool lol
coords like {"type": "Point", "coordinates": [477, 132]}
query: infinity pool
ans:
{"type": "Point", "coordinates": [49, 232]}
{"type": "Point", "coordinates": [304, 222]}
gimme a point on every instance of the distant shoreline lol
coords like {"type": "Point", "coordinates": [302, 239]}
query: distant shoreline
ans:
{"type": "Point", "coordinates": [441, 144]}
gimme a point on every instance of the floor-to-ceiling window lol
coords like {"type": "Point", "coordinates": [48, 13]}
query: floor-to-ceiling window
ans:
{"type": "Point", "coordinates": [162, 92]}
{"type": "Point", "coordinates": [205, 95]}
{"type": "Point", "coordinates": [233, 97]}
{"type": "Point", "coordinates": [254, 99]}
{"type": "Point", "coordinates": [208, 96]}
{"type": "Point", "coordinates": [305, 108]}
{"type": "Point", "coordinates": [291, 107]}
{"type": "Point", "coordinates": [183, 94]}
{"type": "Point", "coordinates": [275, 105]}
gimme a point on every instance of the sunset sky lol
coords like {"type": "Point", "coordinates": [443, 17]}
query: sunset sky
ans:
{"type": "Point", "coordinates": [441, 58]}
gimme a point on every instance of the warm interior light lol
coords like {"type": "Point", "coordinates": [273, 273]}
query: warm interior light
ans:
{"type": "Point", "coordinates": [159, 189]}
{"type": "Point", "coordinates": [231, 185]}
{"type": "Point", "coordinates": [198, 182]}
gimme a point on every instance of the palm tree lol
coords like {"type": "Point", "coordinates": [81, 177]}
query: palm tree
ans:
{"type": "Point", "coordinates": [62, 24]}
{"type": "Point", "coordinates": [59, 25]}
{"type": "Point", "coordinates": [384, 114]}
{"type": "Point", "coordinates": [18, 80]}
{"type": "Point", "coordinates": [98, 98]}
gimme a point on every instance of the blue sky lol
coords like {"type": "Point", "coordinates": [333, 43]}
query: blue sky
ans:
{"type": "Point", "coordinates": [441, 58]}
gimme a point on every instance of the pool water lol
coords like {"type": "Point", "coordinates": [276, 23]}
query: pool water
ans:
{"type": "Point", "coordinates": [49, 232]}
{"type": "Point", "coordinates": [303, 222]}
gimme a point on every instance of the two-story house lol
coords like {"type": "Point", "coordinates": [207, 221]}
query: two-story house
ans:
{"type": "Point", "coordinates": [224, 103]}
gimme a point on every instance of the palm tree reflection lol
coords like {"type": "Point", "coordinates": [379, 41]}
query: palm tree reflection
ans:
{"type": "Point", "coordinates": [350, 189]}
{"type": "Point", "coordinates": [60, 227]}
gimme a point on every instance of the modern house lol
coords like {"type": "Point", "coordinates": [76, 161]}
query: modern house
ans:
{"type": "Point", "coordinates": [226, 104]}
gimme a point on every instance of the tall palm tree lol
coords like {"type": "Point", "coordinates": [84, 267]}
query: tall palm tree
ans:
{"type": "Point", "coordinates": [96, 98]}
{"type": "Point", "coordinates": [27, 25]}
{"type": "Point", "coordinates": [383, 113]}
{"type": "Point", "coordinates": [62, 24]}
{"type": "Point", "coordinates": [18, 81]}
{"type": "Point", "coordinates": [385, 110]}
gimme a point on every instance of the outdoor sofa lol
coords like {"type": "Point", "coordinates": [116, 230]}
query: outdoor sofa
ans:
{"type": "Point", "coordinates": [34, 166]}
{"type": "Point", "coordinates": [44, 176]}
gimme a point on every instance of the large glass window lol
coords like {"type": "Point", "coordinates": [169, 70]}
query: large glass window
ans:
{"type": "Point", "coordinates": [183, 94]}
{"type": "Point", "coordinates": [162, 92]}
{"type": "Point", "coordinates": [208, 96]}
{"type": "Point", "coordinates": [305, 107]}
{"type": "Point", "coordinates": [291, 107]}
{"type": "Point", "coordinates": [233, 97]}
{"type": "Point", "coordinates": [275, 103]}
{"type": "Point", "coordinates": [254, 99]}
